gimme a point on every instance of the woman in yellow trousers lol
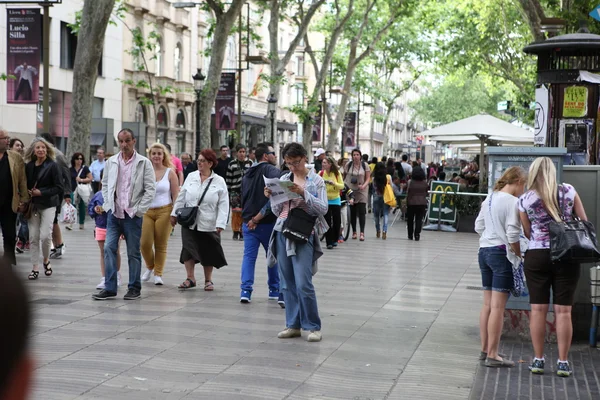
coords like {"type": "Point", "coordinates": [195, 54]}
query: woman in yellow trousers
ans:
{"type": "Point", "coordinates": [156, 225]}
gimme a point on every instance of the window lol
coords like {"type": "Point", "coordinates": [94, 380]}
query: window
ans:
{"type": "Point", "coordinates": [180, 119]}
{"type": "Point", "coordinates": [97, 106]}
{"type": "Point", "coordinates": [231, 54]}
{"type": "Point", "coordinates": [298, 93]}
{"type": "Point", "coordinates": [158, 59]}
{"type": "Point", "coordinates": [177, 62]}
{"type": "Point", "coordinates": [161, 116]}
{"type": "Point", "coordinates": [299, 66]}
{"type": "Point", "coordinates": [140, 113]}
{"type": "Point", "coordinates": [68, 46]}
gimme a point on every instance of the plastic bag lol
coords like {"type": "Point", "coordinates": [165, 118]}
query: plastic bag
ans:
{"type": "Point", "coordinates": [68, 213]}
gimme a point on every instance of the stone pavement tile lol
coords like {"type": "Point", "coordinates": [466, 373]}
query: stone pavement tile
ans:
{"type": "Point", "coordinates": [107, 392]}
{"type": "Point", "coordinates": [295, 351]}
{"type": "Point", "coordinates": [340, 380]}
{"type": "Point", "coordinates": [269, 367]}
{"type": "Point", "coordinates": [247, 384]}
{"type": "Point", "coordinates": [186, 362]}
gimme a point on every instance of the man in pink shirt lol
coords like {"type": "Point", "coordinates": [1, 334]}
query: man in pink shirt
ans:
{"type": "Point", "coordinates": [177, 164]}
{"type": "Point", "coordinates": [128, 187]}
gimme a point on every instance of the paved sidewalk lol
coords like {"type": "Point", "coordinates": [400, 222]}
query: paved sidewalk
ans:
{"type": "Point", "coordinates": [398, 323]}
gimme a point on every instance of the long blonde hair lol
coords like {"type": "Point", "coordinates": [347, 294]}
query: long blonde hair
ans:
{"type": "Point", "coordinates": [30, 153]}
{"type": "Point", "coordinates": [166, 155]}
{"type": "Point", "coordinates": [542, 179]}
{"type": "Point", "coordinates": [510, 176]}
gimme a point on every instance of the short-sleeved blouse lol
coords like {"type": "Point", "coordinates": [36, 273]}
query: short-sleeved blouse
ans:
{"type": "Point", "coordinates": [531, 204]}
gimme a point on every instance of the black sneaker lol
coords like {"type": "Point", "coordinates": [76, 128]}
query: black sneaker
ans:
{"type": "Point", "coordinates": [235, 236]}
{"type": "Point", "coordinates": [563, 369]}
{"type": "Point", "coordinates": [132, 294]}
{"type": "Point", "coordinates": [103, 295]}
{"type": "Point", "coordinates": [241, 237]}
{"type": "Point", "coordinates": [537, 367]}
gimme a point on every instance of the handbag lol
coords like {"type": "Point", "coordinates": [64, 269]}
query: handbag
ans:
{"type": "Point", "coordinates": [186, 216]}
{"type": "Point", "coordinates": [83, 190]}
{"type": "Point", "coordinates": [298, 225]}
{"type": "Point", "coordinates": [388, 195]}
{"type": "Point", "coordinates": [572, 241]}
{"type": "Point", "coordinates": [29, 206]}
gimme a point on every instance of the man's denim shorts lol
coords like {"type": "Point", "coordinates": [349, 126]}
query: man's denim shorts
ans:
{"type": "Point", "coordinates": [496, 270]}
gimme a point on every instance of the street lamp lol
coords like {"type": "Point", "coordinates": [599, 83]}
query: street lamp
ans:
{"type": "Point", "coordinates": [198, 86]}
{"type": "Point", "coordinates": [272, 100]}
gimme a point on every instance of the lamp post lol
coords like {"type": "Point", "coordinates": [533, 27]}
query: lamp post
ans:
{"type": "Point", "coordinates": [198, 86]}
{"type": "Point", "coordinates": [272, 100]}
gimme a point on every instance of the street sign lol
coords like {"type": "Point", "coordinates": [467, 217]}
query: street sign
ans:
{"type": "Point", "coordinates": [596, 13]}
{"type": "Point", "coordinates": [442, 206]}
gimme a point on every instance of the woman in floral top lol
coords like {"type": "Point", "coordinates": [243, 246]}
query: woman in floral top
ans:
{"type": "Point", "coordinates": [538, 207]}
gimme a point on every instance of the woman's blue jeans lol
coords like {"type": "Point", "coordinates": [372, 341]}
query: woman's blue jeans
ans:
{"type": "Point", "coordinates": [301, 309]}
{"type": "Point", "coordinates": [380, 209]}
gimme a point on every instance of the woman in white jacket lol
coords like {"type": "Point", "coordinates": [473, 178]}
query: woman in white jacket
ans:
{"type": "Point", "coordinates": [499, 227]}
{"type": "Point", "coordinates": [202, 241]}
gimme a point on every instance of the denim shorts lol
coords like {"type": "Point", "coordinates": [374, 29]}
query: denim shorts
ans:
{"type": "Point", "coordinates": [496, 270]}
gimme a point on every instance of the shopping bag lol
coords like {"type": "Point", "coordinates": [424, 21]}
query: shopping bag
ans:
{"type": "Point", "coordinates": [388, 196]}
{"type": "Point", "coordinates": [68, 213]}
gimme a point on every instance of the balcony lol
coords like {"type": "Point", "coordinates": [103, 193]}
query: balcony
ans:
{"type": "Point", "coordinates": [163, 11]}
{"type": "Point", "coordinates": [378, 137]}
{"type": "Point", "coordinates": [184, 93]}
{"type": "Point", "coordinates": [139, 6]}
{"type": "Point", "coordinates": [182, 19]}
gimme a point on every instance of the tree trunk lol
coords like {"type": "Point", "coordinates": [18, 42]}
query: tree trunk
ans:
{"type": "Point", "coordinates": [276, 71]}
{"type": "Point", "coordinates": [533, 13]}
{"type": "Point", "coordinates": [385, 130]}
{"type": "Point", "coordinates": [90, 45]}
{"type": "Point", "coordinates": [224, 23]}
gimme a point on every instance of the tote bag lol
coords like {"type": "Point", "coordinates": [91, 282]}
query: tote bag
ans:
{"type": "Point", "coordinates": [389, 197]}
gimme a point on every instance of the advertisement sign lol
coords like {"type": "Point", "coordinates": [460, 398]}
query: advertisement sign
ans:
{"type": "Point", "coordinates": [577, 136]}
{"type": "Point", "coordinates": [24, 47]}
{"type": "Point", "coordinates": [316, 128]}
{"type": "Point", "coordinates": [442, 207]}
{"type": "Point", "coordinates": [575, 102]}
{"type": "Point", "coordinates": [350, 128]}
{"type": "Point", "coordinates": [225, 118]}
{"type": "Point", "coordinates": [541, 115]}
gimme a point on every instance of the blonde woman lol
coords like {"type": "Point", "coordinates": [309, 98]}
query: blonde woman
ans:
{"type": "Point", "coordinates": [156, 226]}
{"type": "Point", "coordinates": [538, 207]}
{"type": "Point", "coordinates": [44, 183]}
{"type": "Point", "coordinates": [499, 227]}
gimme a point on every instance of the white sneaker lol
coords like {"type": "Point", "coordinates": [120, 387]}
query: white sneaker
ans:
{"type": "Point", "coordinates": [289, 333]}
{"type": "Point", "coordinates": [147, 275]}
{"type": "Point", "coordinates": [314, 336]}
{"type": "Point", "coordinates": [119, 279]}
{"type": "Point", "coordinates": [158, 281]}
{"type": "Point", "coordinates": [101, 285]}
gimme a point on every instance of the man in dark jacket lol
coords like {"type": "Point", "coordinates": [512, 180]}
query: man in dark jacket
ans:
{"type": "Point", "coordinates": [258, 220]}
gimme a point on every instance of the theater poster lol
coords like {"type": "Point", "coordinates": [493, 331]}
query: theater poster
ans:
{"type": "Point", "coordinates": [350, 127]}
{"type": "Point", "coordinates": [225, 103]}
{"type": "Point", "coordinates": [24, 51]}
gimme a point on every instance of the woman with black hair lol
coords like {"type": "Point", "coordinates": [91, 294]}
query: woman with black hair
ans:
{"type": "Point", "coordinates": [357, 176]}
{"type": "Point", "coordinates": [390, 169]}
{"type": "Point", "coordinates": [80, 175]}
{"type": "Point", "coordinates": [295, 258]}
{"type": "Point", "coordinates": [380, 209]}
{"type": "Point", "coordinates": [416, 201]}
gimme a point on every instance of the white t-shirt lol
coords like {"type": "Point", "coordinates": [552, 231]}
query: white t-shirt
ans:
{"type": "Point", "coordinates": [503, 225]}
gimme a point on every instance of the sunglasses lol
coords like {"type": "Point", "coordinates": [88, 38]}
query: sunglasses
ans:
{"type": "Point", "coordinates": [272, 153]}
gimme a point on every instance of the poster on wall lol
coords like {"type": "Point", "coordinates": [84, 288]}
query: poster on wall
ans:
{"type": "Point", "coordinates": [541, 116]}
{"type": "Point", "coordinates": [575, 102]}
{"type": "Point", "coordinates": [225, 118]}
{"type": "Point", "coordinates": [23, 54]}
{"type": "Point", "coordinates": [316, 127]}
{"type": "Point", "coordinates": [578, 137]}
{"type": "Point", "coordinates": [350, 127]}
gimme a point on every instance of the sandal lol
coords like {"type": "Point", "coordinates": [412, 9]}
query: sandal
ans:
{"type": "Point", "coordinates": [33, 275]}
{"type": "Point", "coordinates": [354, 236]}
{"type": "Point", "coordinates": [209, 286]}
{"type": "Point", "coordinates": [187, 284]}
{"type": "Point", "coordinates": [47, 269]}
{"type": "Point", "coordinates": [362, 237]}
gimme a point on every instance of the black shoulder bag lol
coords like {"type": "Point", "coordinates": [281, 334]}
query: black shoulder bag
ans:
{"type": "Point", "coordinates": [572, 241]}
{"type": "Point", "coordinates": [186, 216]}
{"type": "Point", "coordinates": [299, 224]}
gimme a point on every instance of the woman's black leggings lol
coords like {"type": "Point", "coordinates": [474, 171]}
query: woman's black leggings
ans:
{"type": "Point", "coordinates": [361, 209]}
{"type": "Point", "coordinates": [334, 219]}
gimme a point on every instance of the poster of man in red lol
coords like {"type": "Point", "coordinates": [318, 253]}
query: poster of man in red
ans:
{"type": "Point", "coordinates": [350, 125]}
{"type": "Point", "coordinates": [225, 103]}
{"type": "Point", "coordinates": [24, 44]}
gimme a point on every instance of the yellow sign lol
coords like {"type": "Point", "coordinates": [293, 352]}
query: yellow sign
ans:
{"type": "Point", "coordinates": [575, 102]}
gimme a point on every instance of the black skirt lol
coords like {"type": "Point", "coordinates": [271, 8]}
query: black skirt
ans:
{"type": "Point", "coordinates": [202, 247]}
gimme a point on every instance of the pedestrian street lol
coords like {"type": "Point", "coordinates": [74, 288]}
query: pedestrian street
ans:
{"type": "Point", "coordinates": [399, 322]}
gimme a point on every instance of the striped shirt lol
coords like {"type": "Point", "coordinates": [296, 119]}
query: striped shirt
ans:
{"type": "Point", "coordinates": [235, 171]}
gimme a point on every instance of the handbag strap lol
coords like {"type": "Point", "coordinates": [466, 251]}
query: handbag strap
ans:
{"type": "Point", "coordinates": [205, 190]}
{"type": "Point", "coordinates": [490, 211]}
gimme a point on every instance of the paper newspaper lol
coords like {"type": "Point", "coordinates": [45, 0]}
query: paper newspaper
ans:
{"type": "Point", "coordinates": [280, 190]}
